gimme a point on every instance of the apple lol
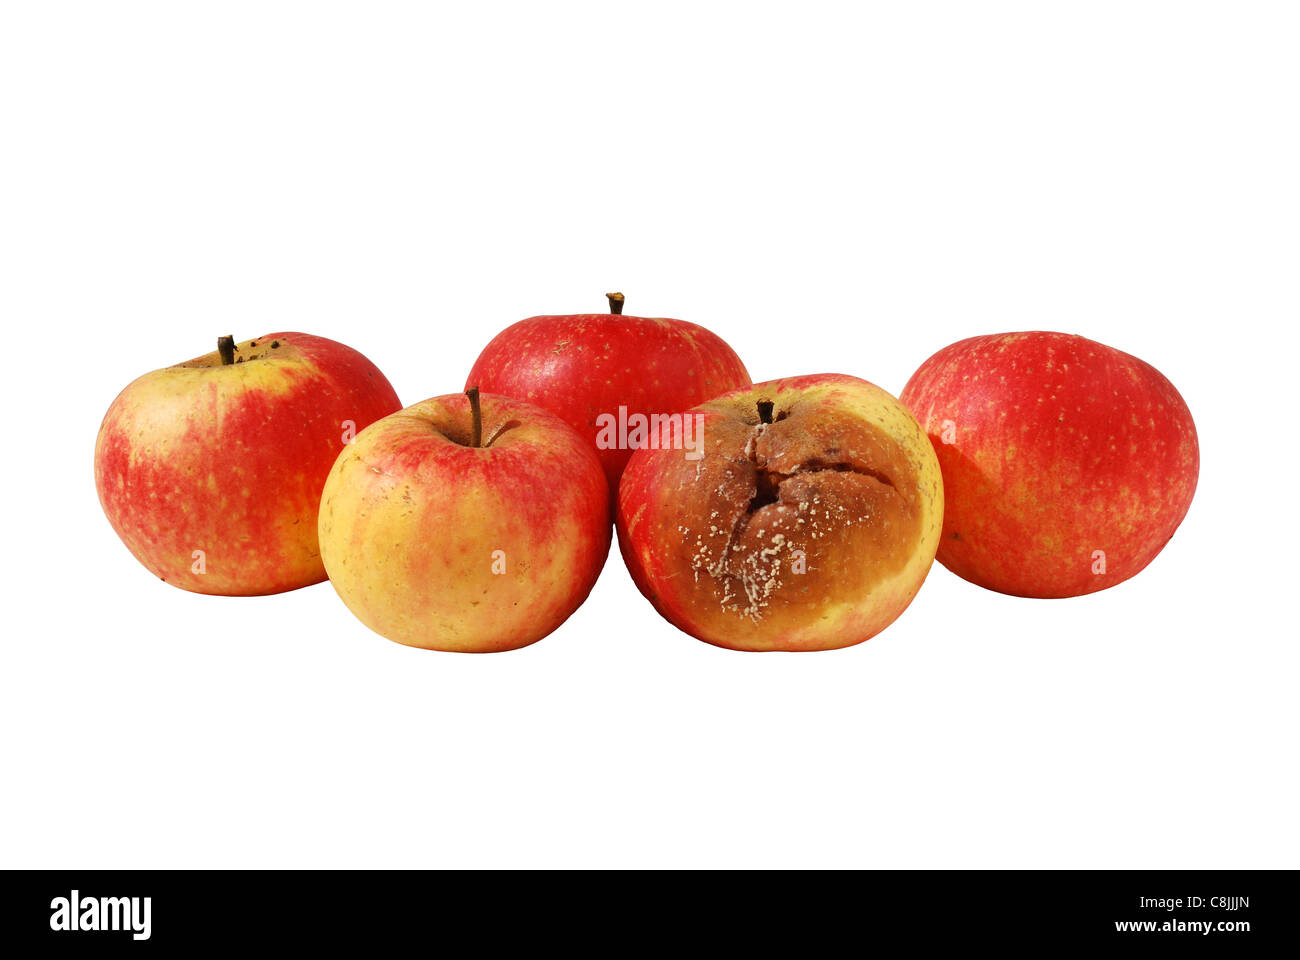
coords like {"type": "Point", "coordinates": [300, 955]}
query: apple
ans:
{"type": "Point", "coordinates": [809, 522]}
{"type": "Point", "coordinates": [465, 523]}
{"type": "Point", "coordinates": [602, 372]}
{"type": "Point", "coordinates": [210, 471]}
{"type": "Point", "coordinates": [1068, 464]}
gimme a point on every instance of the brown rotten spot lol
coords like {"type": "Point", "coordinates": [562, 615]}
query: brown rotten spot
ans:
{"type": "Point", "coordinates": [807, 524]}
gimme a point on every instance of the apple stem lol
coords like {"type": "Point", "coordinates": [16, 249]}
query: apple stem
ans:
{"type": "Point", "coordinates": [765, 411]}
{"type": "Point", "coordinates": [615, 302]}
{"type": "Point", "coordinates": [476, 413]}
{"type": "Point", "coordinates": [226, 347]}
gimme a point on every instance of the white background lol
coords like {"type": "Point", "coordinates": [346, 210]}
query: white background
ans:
{"type": "Point", "coordinates": [843, 187]}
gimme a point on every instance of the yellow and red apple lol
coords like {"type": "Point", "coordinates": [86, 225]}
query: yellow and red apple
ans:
{"type": "Point", "coordinates": [1067, 464]}
{"type": "Point", "coordinates": [808, 521]}
{"type": "Point", "coordinates": [600, 371]}
{"type": "Point", "coordinates": [211, 470]}
{"type": "Point", "coordinates": [465, 523]}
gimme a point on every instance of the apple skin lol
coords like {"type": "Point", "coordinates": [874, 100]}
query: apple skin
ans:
{"type": "Point", "coordinates": [859, 494]}
{"type": "Point", "coordinates": [230, 460]}
{"type": "Point", "coordinates": [581, 366]}
{"type": "Point", "coordinates": [1060, 447]}
{"type": "Point", "coordinates": [412, 519]}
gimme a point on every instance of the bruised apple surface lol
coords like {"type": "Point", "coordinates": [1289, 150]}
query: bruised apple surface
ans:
{"type": "Point", "coordinates": [809, 522]}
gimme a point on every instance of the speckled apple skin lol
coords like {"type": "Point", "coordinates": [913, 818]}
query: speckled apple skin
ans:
{"type": "Point", "coordinates": [1061, 448]}
{"type": "Point", "coordinates": [583, 365]}
{"type": "Point", "coordinates": [843, 475]}
{"type": "Point", "coordinates": [436, 544]}
{"type": "Point", "coordinates": [230, 460]}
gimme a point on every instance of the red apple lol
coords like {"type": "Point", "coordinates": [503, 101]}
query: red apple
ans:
{"type": "Point", "coordinates": [605, 374]}
{"type": "Point", "coordinates": [1067, 464]}
{"type": "Point", "coordinates": [809, 521]}
{"type": "Point", "coordinates": [210, 471]}
{"type": "Point", "coordinates": [444, 530]}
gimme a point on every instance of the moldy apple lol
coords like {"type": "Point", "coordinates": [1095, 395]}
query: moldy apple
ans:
{"type": "Point", "coordinates": [809, 523]}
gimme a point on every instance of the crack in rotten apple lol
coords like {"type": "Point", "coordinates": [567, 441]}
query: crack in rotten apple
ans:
{"type": "Point", "coordinates": [768, 486]}
{"type": "Point", "coordinates": [759, 583]}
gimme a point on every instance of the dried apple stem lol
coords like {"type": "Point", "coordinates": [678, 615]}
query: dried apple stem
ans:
{"type": "Point", "coordinates": [476, 413]}
{"type": "Point", "coordinates": [615, 302]}
{"type": "Point", "coordinates": [226, 347]}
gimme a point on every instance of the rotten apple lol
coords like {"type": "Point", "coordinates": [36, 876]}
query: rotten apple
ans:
{"type": "Point", "coordinates": [600, 371]}
{"type": "Point", "coordinates": [465, 523]}
{"type": "Point", "coordinates": [210, 471]}
{"type": "Point", "coordinates": [1067, 464]}
{"type": "Point", "coordinates": [809, 522]}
